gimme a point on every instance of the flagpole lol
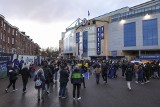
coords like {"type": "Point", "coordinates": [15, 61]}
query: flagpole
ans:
{"type": "Point", "coordinates": [88, 14]}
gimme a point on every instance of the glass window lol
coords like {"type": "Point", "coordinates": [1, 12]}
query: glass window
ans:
{"type": "Point", "coordinates": [4, 37]}
{"type": "Point", "coordinates": [1, 36]}
{"type": "Point", "coordinates": [2, 23]}
{"type": "Point", "coordinates": [8, 39]}
{"type": "Point", "coordinates": [114, 53]}
{"type": "Point", "coordinates": [12, 40]}
{"type": "Point", "coordinates": [150, 32]}
{"type": "Point", "coordinates": [13, 32]}
{"type": "Point", "coordinates": [16, 33]}
{"type": "Point", "coordinates": [4, 26]}
{"type": "Point", "coordinates": [130, 14]}
{"type": "Point", "coordinates": [130, 34]}
{"type": "Point", "coordinates": [8, 30]}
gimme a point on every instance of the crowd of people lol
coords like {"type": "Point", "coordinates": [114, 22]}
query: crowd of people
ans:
{"type": "Point", "coordinates": [76, 71]}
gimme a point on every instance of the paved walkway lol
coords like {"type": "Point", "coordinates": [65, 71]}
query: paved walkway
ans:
{"type": "Point", "coordinates": [115, 94]}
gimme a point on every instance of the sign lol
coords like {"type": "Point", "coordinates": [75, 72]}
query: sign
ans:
{"type": "Point", "coordinates": [3, 70]}
{"type": "Point", "coordinates": [98, 41]}
{"type": "Point", "coordinates": [4, 58]}
{"type": "Point", "coordinates": [84, 21]}
{"type": "Point", "coordinates": [102, 32]}
{"type": "Point", "coordinates": [85, 41]}
{"type": "Point", "coordinates": [150, 57]}
{"type": "Point", "coordinates": [77, 41]}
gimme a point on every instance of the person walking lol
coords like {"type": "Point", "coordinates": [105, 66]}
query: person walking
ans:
{"type": "Point", "coordinates": [141, 74]}
{"type": "Point", "coordinates": [47, 75]}
{"type": "Point", "coordinates": [97, 73]}
{"type": "Point", "coordinates": [123, 66]}
{"type": "Point", "coordinates": [25, 75]}
{"type": "Point", "coordinates": [64, 78]}
{"type": "Point", "coordinates": [104, 69]}
{"type": "Point", "coordinates": [129, 74]}
{"type": "Point", "coordinates": [40, 84]}
{"type": "Point", "coordinates": [12, 78]}
{"type": "Point", "coordinates": [84, 70]}
{"type": "Point", "coordinates": [76, 80]}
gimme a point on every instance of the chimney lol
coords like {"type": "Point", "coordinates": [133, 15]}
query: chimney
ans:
{"type": "Point", "coordinates": [23, 33]}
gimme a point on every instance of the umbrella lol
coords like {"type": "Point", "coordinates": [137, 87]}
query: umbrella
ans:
{"type": "Point", "coordinates": [135, 61]}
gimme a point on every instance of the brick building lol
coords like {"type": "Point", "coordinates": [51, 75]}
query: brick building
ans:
{"type": "Point", "coordinates": [14, 41]}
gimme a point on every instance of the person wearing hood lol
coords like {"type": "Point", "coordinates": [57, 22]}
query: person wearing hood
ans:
{"type": "Point", "coordinates": [25, 75]}
{"type": "Point", "coordinates": [12, 78]}
{"type": "Point", "coordinates": [41, 88]}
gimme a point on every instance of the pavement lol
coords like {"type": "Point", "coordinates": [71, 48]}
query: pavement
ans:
{"type": "Point", "coordinates": [113, 94]}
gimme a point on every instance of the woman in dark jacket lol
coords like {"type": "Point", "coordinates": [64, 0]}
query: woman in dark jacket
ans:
{"type": "Point", "coordinates": [64, 75]}
{"type": "Point", "coordinates": [25, 75]}
{"type": "Point", "coordinates": [129, 74]}
{"type": "Point", "coordinates": [12, 77]}
{"type": "Point", "coordinates": [76, 80]}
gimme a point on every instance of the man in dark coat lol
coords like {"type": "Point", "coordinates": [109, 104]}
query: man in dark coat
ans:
{"type": "Point", "coordinates": [64, 78]}
{"type": "Point", "coordinates": [25, 75]}
{"type": "Point", "coordinates": [129, 74]}
{"type": "Point", "coordinates": [84, 70]}
{"type": "Point", "coordinates": [104, 69]}
{"type": "Point", "coordinates": [47, 75]}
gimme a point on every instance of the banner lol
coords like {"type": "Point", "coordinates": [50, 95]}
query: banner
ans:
{"type": "Point", "coordinates": [98, 41]}
{"type": "Point", "coordinates": [3, 70]}
{"type": "Point", "coordinates": [77, 41]}
{"type": "Point", "coordinates": [85, 42]}
{"type": "Point", "coordinates": [86, 75]}
{"type": "Point", "coordinates": [4, 58]}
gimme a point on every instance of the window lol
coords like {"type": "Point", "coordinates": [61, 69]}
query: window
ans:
{"type": "Point", "coordinates": [114, 53]}
{"type": "Point", "coordinates": [0, 48]}
{"type": "Point", "coordinates": [4, 26]}
{"type": "Point", "coordinates": [1, 36]}
{"type": "Point", "coordinates": [3, 49]}
{"type": "Point", "coordinates": [13, 32]}
{"type": "Point", "coordinates": [8, 39]}
{"type": "Point", "coordinates": [12, 40]}
{"type": "Point", "coordinates": [8, 30]}
{"type": "Point", "coordinates": [150, 32]}
{"type": "Point", "coordinates": [16, 33]}
{"type": "Point", "coordinates": [4, 38]}
{"type": "Point", "coordinates": [130, 34]}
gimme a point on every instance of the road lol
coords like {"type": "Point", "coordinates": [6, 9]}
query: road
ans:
{"type": "Point", "coordinates": [113, 94]}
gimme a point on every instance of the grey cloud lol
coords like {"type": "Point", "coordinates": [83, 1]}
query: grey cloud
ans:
{"type": "Point", "coordinates": [60, 10]}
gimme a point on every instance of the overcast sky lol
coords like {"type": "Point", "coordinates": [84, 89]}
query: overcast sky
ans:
{"type": "Point", "coordinates": [44, 20]}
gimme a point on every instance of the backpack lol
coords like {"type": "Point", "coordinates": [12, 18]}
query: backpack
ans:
{"type": "Point", "coordinates": [38, 82]}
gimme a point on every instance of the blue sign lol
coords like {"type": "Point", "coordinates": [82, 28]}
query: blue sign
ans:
{"type": "Point", "coordinates": [98, 41]}
{"type": "Point", "coordinates": [150, 57]}
{"type": "Point", "coordinates": [4, 59]}
{"type": "Point", "coordinates": [85, 41]}
{"type": "Point", "coordinates": [102, 32]}
{"type": "Point", "coordinates": [77, 37]}
{"type": "Point", "coordinates": [77, 41]}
